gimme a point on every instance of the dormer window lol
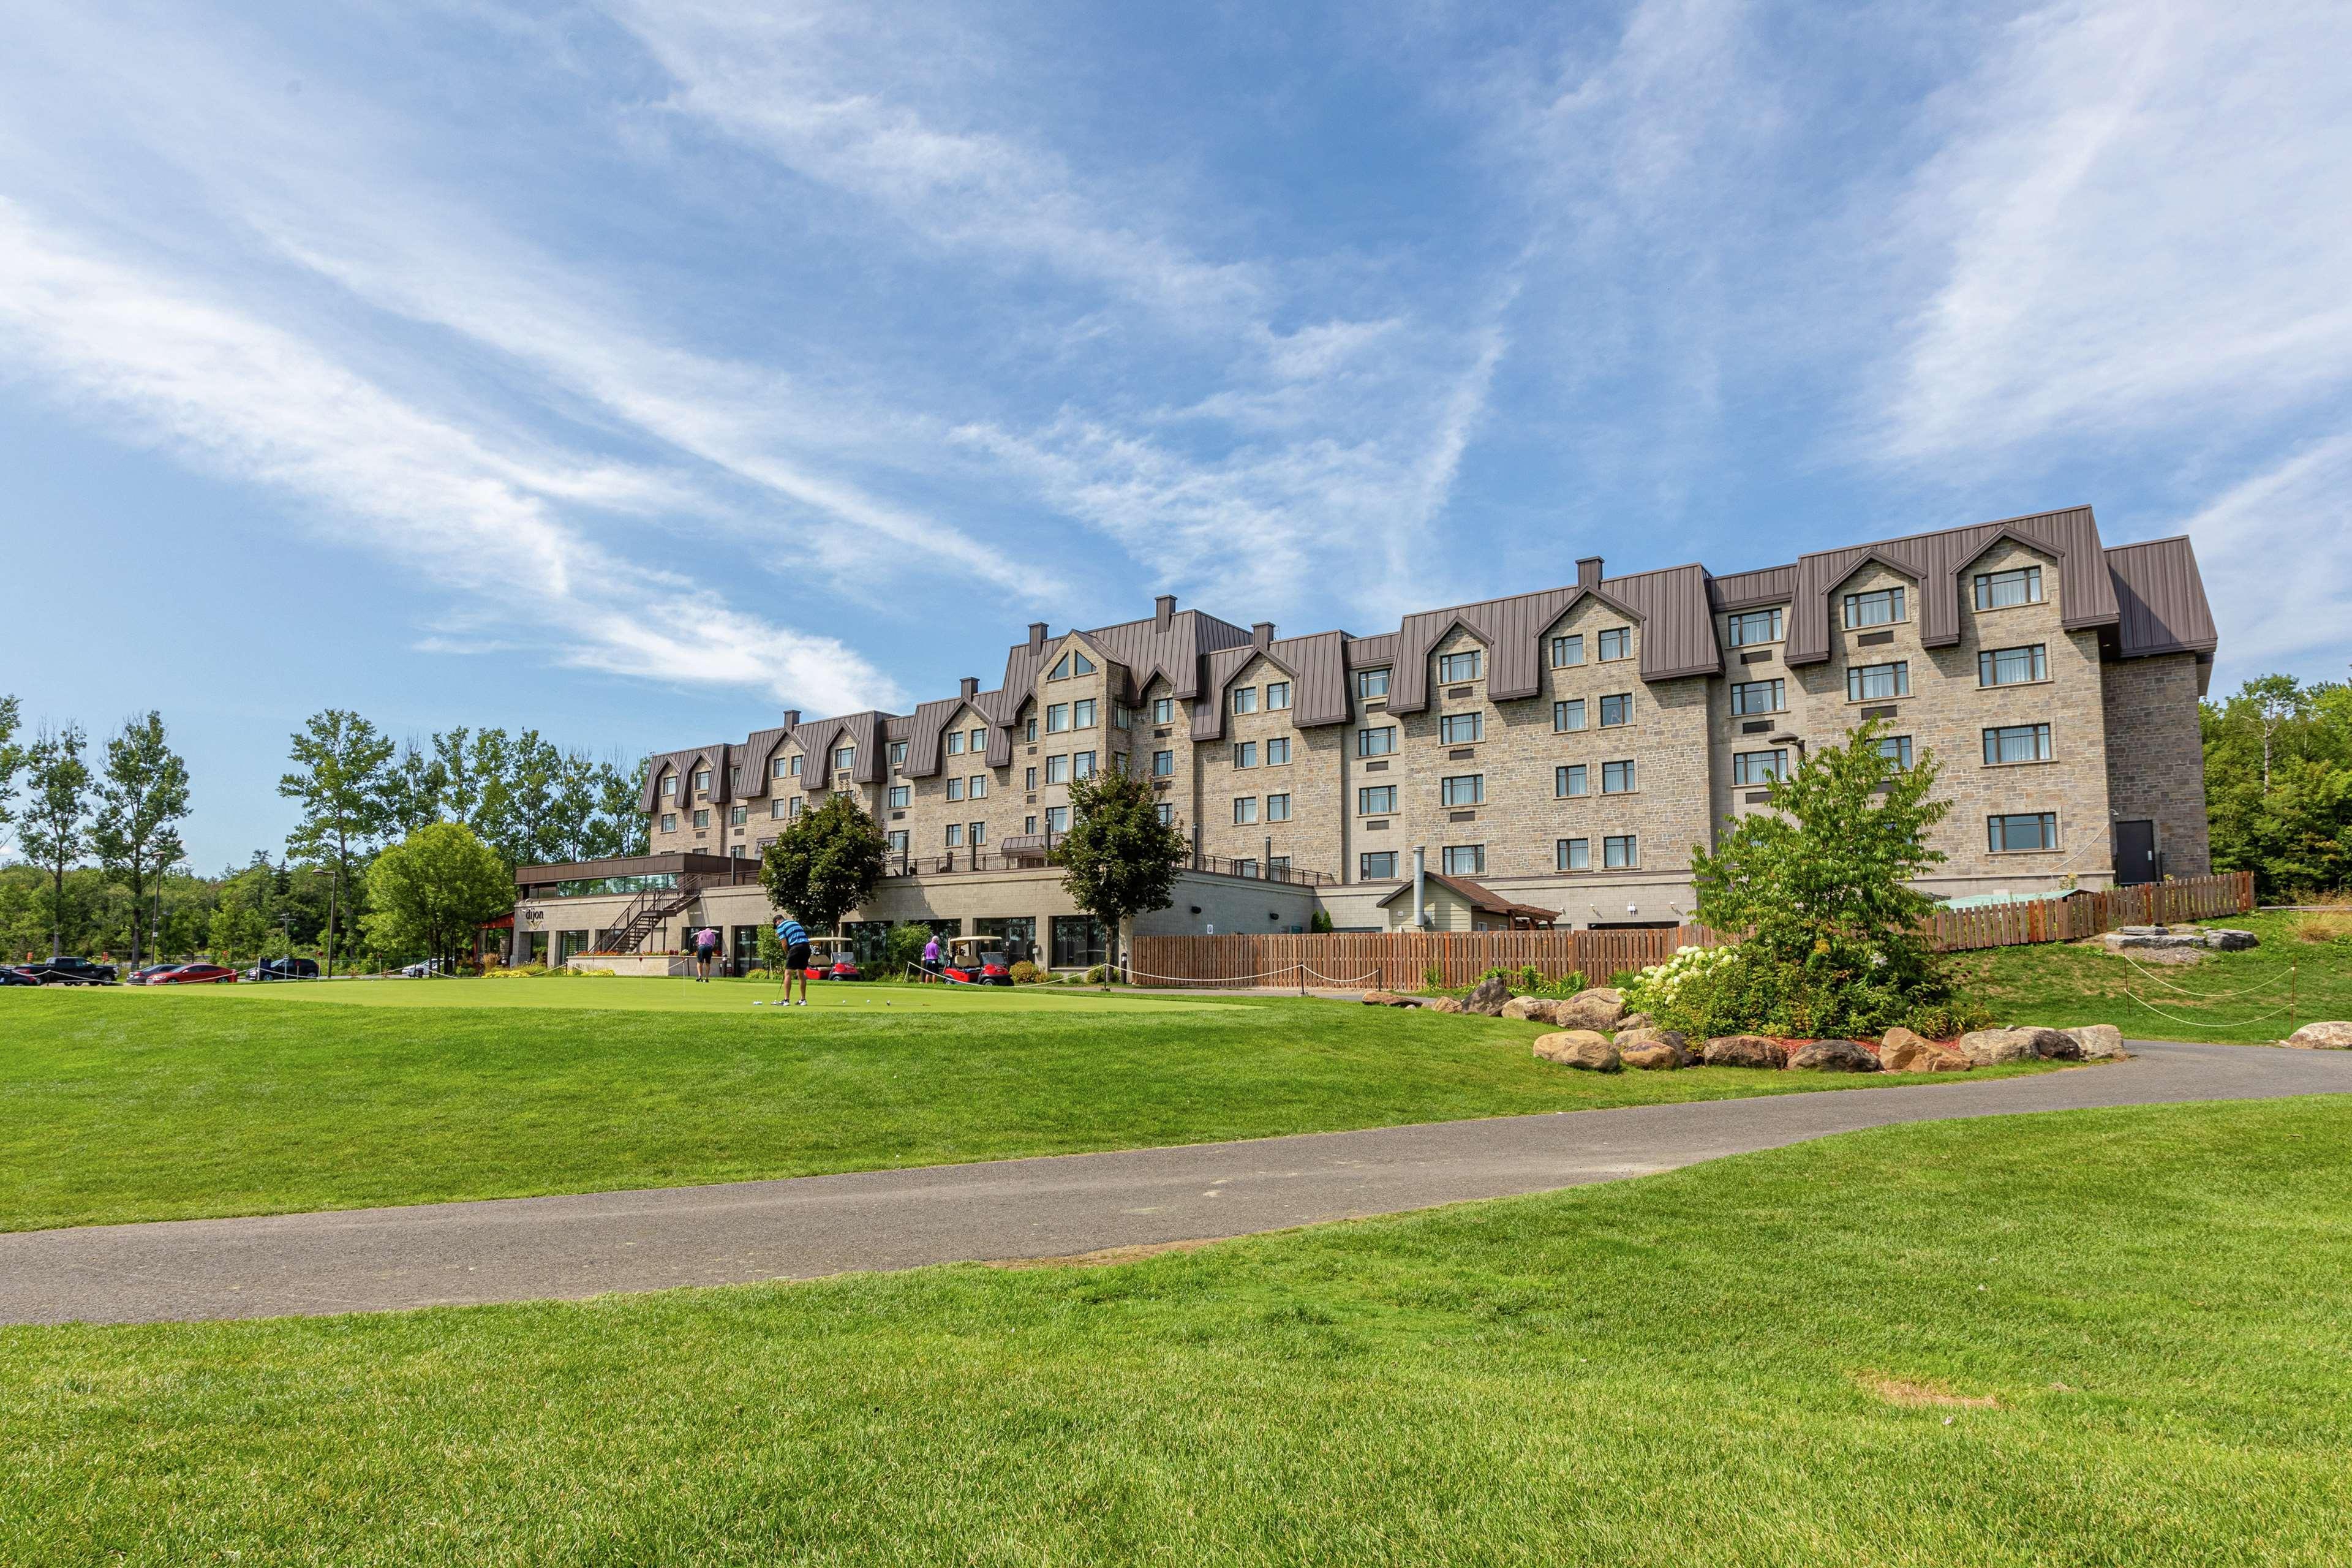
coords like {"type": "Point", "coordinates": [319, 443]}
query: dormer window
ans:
{"type": "Point", "coordinates": [955, 743]}
{"type": "Point", "coordinates": [2001, 590]}
{"type": "Point", "coordinates": [1455, 667]}
{"type": "Point", "coordinates": [1880, 607]}
{"type": "Point", "coordinates": [843, 758]}
{"type": "Point", "coordinates": [979, 739]}
{"type": "Point", "coordinates": [1245, 699]}
{"type": "Point", "coordinates": [1071, 663]}
{"type": "Point", "coordinates": [796, 762]}
{"type": "Point", "coordinates": [669, 786]}
{"type": "Point", "coordinates": [1617, 642]}
{"type": "Point", "coordinates": [897, 754]}
{"type": "Point", "coordinates": [784, 767]}
{"type": "Point", "coordinates": [702, 780]}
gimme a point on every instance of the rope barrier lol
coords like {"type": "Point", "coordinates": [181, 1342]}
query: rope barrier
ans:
{"type": "Point", "coordinates": [2270, 985]}
{"type": "Point", "coordinates": [2207, 1023]}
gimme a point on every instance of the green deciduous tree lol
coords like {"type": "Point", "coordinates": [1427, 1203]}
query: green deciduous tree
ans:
{"type": "Point", "coordinates": [1821, 882]}
{"type": "Point", "coordinates": [12, 758]}
{"type": "Point", "coordinates": [429, 892]}
{"type": "Point", "coordinates": [342, 778]}
{"type": "Point", "coordinates": [1119, 859]}
{"type": "Point", "coordinates": [143, 795]}
{"type": "Point", "coordinates": [2278, 784]}
{"type": "Point", "coordinates": [56, 817]}
{"type": "Point", "coordinates": [826, 864]}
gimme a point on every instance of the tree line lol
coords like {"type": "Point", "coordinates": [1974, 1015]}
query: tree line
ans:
{"type": "Point", "coordinates": [105, 867]}
{"type": "Point", "coordinates": [2278, 784]}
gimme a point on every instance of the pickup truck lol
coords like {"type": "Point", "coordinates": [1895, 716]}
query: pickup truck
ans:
{"type": "Point", "coordinates": [68, 971]}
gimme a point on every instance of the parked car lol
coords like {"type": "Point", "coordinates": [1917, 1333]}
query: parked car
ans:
{"type": "Point", "coordinates": [68, 971]}
{"type": "Point", "coordinates": [425, 970]}
{"type": "Point", "coordinates": [145, 974]}
{"type": "Point", "coordinates": [284, 969]}
{"type": "Point", "coordinates": [12, 975]}
{"type": "Point", "coordinates": [197, 974]}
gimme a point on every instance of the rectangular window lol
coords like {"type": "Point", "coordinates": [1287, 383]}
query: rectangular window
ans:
{"type": "Point", "coordinates": [1896, 749]}
{"type": "Point", "coordinates": [738, 816]}
{"type": "Point", "coordinates": [1759, 767]}
{"type": "Point", "coordinates": [702, 782]}
{"type": "Point", "coordinates": [1620, 852]}
{"type": "Point", "coordinates": [1879, 607]}
{"type": "Point", "coordinates": [2026, 830]}
{"type": "Point", "coordinates": [1244, 698]}
{"type": "Point", "coordinates": [897, 754]}
{"type": "Point", "coordinates": [1376, 742]}
{"type": "Point", "coordinates": [702, 818]}
{"type": "Point", "coordinates": [1082, 766]}
{"type": "Point", "coordinates": [1118, 762]}
{"type": "Point", "coordinates": [1277, 695]}
{"type": "Point", "coordinates": [785, 765]}
{"type": "Point", "coordinates": [1123, 717]}
{"type": "Point", "coordinates": [1463, 789]}
{"type": "Point", "coordinates": [979, 834]}
{"type": "Point", "coordinates": [1571, 781]}
{"type": "Point", "coordinates": [1567, 650]}
{"type": "Point", "coordinates": [1029, 778]}
{"type": "Point", "coordinates": [1755, 627]}
{"type": "Point", "coordinates": [1164, 709]}
{"type": "Point", "coordinates": [1462, 729]}
{"type": "Point", "coordinates": [955, 789]}
{"type": "Point", "coordinates": [796, 767]}
{"type": "Point", "coordinates": [1617, 778]}
{"type": "Point", "coordinates": [1461, 665]}
{"type": "Point", "coordinates": [901, 796]}
{"type": "Point", "coordinates": [1244, 809]}
{"type": "Point", "coordinates": [1465, 859]}
{"type": "Point", "coordinates": [1057, 719]}
{"type": "Point", "coordinates": [955, 743]}
{"type": "Point", "coordinates": [1245, 868]}
{"type": "Point", "coordinates": [1278, 751]}
{"type": "Point", "coordinates": [669, 822]}
{"type": "Point", "coordinates": [1376, 800]}
{"type": "Point", "coordinates": [1618, 709]}
{"type": "Point", "coordinates": [669, 786]}
{"type": "Point", "coordinates": [1029, 730]}
{"type": "Point", "coordinates": [1029, 823]}
{"type": "Point", "coordinates": [897, 842]}
{"type": "Point", "coordinates": [734, 778]}
{"type": "Point", "coordinates": [776, 807]}
{"type": "Point", "coordinates": [800, 803]}
{"type": "Point", "coordinates": [1082, 713]}
{"type": "Point", "coordinates": [1163, 764]}
{"type": "Point", "coordinates": [845, 758]}
{"type": "Point", "coordinates": [1617, 642]}
{"type": "Point", "coordinates": [2018, 744]}
{"type": "Point", "coordinates": [1166, 813]}
{"type": "Point", "coordinates": [1757, 696]}
{"type": "Point", "coordinates": [1371, 685]}
{"type": "Point", "coordinates": [1573, 854]}
{"type": "Point", "coordinates": [1246, 753]}
{"type": "Point", "coordinates": [1057, 819]}
{"type": "Point", "coordinates": [955, 835]}
{"type": "Point", "coordinates": [1277, 808]}
{"type": "Point", "coordinates": [979, 742]}
{"type": "Point", "coordinates": [2012, 666]}
{"type": "Point", "coordinates": [1876, 683]}
{"type": "Point", "coordinates": [1376, 865]}
{"type": "Point", "coordinates": [2000, 589]}
{"type": "Point", "coordinates": [1057, 770]}
{"type": "Point", "coordinates": [1568, 715]}
{"type": "Point", "coordinates": [979, 788]}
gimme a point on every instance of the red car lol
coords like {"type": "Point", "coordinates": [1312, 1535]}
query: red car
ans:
{"type": "Point", "coordinates": [196, 974]}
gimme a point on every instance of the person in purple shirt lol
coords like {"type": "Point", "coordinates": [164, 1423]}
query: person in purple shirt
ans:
{"type": "Point", "coordinates": [931, 956]}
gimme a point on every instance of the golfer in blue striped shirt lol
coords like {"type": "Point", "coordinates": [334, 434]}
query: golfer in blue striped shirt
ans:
{"type": "Point", "coordinates": [794, 941]}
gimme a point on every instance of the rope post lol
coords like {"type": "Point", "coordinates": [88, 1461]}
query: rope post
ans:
{"type": "Point", "coordinates": [2289, 997]}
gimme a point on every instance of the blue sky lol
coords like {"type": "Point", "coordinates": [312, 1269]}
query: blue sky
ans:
{"type": "Point", "coordinates": [634, 370]}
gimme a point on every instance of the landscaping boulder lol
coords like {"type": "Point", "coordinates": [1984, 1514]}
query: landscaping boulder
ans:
{"type": "Point", "coordinates": [1637, 1021]}
{"type": "Point", "coordinates": [1525, 1008]}
{"type": "Point", "coordinates": [2224, 939]}
{"type": "Point", "coordinates": [2334, 1036]}
{"type": "Point", "coordinates": [1487, 998]}
{"type": "Point", "coordinates": [1653, 1053]}
{"type": "Point", "coordinates": [1388, 999]}
{"type": "Point", "coordinates": [1579, 1048]}
{"type": "Point", "coordinates": [2100, 1043]}
{"type": "Point", "coordinates": [1650, 1035]}
{"type": "Point", "coordinates": [1903, 1051]}
{"type": "Point", "coordinates": [1997, 1048]}
{"type": "Point", "coordinates": [1599, 1008]}
{"type": "Point", "coordinates": [1835, 1056]}
{"type": "Point", "coordinates": [1745, 1052]}
{"type": "Point", "coordinates": [1447, 1005]}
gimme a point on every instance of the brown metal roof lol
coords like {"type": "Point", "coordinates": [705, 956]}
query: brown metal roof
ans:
{"type": "Point", "coordinates": [1936, 561]}
{"type": "Point", "coordinates": [2161, 598]}
{"type": "Point", "coordinates": [669, 862]}
{"type": "Point", "coordinates": [1479, 897]}
{"type": "Point", "coordinates": [1317, 670]}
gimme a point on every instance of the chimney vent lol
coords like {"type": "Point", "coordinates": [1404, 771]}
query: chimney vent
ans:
{"type": "Point", "coordinates": [1588, 571]}
{"type": "Point", "coordinates": [792, 718]}
{"type": "Point", "coordinates": [1163, 610]}
{"type": "Point", "coordinates": [1261, 634]}
{"type": "Point", "coordinates": [1037, 634]}
{"type": "Point", "coordinates": [968, 686]}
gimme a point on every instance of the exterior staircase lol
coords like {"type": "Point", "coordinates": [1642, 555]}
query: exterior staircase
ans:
{"type": "Point", "coordinates": [646, 912]}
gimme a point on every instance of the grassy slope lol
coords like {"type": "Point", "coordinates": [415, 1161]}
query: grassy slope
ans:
{"type": "Point", "coordinates": [1671, 1371]}
{"type": "Point", "coordinates": [2065, 984]}
{"type": "Point", "coordinates": [119, 1105]}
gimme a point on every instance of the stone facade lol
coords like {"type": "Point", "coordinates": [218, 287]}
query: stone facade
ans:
{"type": "Point", "coordinates": [2156, 757]}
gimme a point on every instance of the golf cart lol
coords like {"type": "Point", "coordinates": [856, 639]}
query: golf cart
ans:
{"type": "Point", "coordinates": [832, 958]}
{"type": "Point", "coordinates": [968, 962]}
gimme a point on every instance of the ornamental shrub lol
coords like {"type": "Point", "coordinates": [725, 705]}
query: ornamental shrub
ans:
{"type": "Point", "coordinates": [1024, 974]}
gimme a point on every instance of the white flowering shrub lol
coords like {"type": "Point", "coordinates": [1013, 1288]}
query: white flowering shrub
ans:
{"type": "Point", "coordinates": [1655, 990]}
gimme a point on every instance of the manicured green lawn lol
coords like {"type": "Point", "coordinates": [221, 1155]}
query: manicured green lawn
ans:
{"type": "Point", "coordinates": [1682, 1370]}
{"type": "Point", "coordinates": [2240, 998]}
{"type": "Point", "coordinates": [127, 1104]}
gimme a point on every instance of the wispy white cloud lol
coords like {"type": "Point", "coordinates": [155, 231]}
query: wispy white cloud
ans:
{"type": "Point", "coordinates": [2275, 552]}
{"type": "Point", "coordinates": [502, 526]}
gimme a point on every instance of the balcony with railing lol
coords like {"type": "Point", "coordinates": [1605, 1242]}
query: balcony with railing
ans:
{"type": "Point", "coordinates": [1034, 852]}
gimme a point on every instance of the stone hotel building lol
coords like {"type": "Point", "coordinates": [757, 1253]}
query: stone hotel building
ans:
{"type": "Point", "coordinates": [1562, 750]}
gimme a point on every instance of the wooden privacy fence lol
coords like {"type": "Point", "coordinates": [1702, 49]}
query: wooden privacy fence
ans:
{"type": "Point", "coordinates": [1398, 961]}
